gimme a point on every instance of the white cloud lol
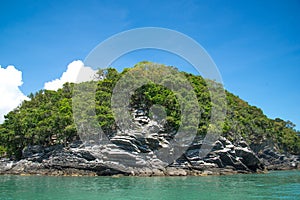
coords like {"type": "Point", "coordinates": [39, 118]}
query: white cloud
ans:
{"type": "Point", "coordinates": [11, 80]}
{"type": "Point", "coordinates": [76, 72]}
{"type": "Point", "coordinates": [11, 95]}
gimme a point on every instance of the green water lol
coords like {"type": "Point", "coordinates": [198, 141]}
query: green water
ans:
{"type": "Point", "coordinates": [275, 185]}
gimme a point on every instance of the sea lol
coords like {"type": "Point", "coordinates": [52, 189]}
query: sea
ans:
{"type": "Point", "coordinates": [273, 185]}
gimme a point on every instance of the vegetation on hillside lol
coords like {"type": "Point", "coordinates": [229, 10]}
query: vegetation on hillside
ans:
{"type": "Point", "coordinates": [46, 119]}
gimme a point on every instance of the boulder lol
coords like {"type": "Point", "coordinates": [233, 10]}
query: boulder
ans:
{"type": "Point", "coordinates": [248, 158]}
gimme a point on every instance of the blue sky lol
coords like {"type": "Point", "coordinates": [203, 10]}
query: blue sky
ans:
{"type": "Point", "coordinates": [255, 44]}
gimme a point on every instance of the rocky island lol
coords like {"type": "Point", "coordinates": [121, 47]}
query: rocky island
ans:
{"type": "Point", "coordinates": [40, 137]}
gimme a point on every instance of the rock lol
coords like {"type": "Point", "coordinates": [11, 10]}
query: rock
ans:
{"type": "Point", "coordinates": [145, 172]}
{"type": "Point", "coordinates": [269, 152]}
{"type": "Point", "coordinates": [176, 172]}
{"type": "Point", "coordinates": [142, 119]}
{"type": "Point", "coordinates": [153, 142]}
{"type": "Point", "coordinates": [157, 164]}
{"type": "Point", "coordinates": [38, 153]}
{"type": "Point", "coordinates": [25, 167]}
{"type": "Point", "coordinates": [5, 165]}
{"type": "Point", "coordinates": [225, 156]}
{"type": "Point", "coordinates": [224, 141]}
{"type": "Point", "coordinates": [207, 172]}
{"type": "Point", "coordinates": [154, 128]}
{"type": "Point", "coordinates": [157, 172]}
{"type": "Point", "coordinates": [218, 146]}
{"type": "Point", "coordinates": [30, 150]}
{"type": "Point", "coordinates": [277, 161]}
{"type": "Point", "coordinates": [215, 159]}
{"type": "Point", "coordinates": [38, 157]}
{"type": "Point", "coordinates": [86, 155]}
{"type": "Point", "coordinates": [248, 158]}
{"type": "Point", "coordinates": [126, 142]}
{"type": "Point", "coordinates": [227, 171]}
{"type": "Point", "coordinates": [230, 146]}
{"type": "Point", "coordinates": [76, 144]}
{"type": "Point", "coordinates": [207, 165]}
{"type": "Point", "coordinates": [243, 144]}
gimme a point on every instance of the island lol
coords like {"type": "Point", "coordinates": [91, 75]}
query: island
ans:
{"type": "Point", "coordinates": [40, 136]}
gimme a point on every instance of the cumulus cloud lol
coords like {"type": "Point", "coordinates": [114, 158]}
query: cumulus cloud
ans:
{"type": "Point", "coordinates": [11, 80]}
{"type": "Point", "coordinates": [11, 95]}
{"type": "Point", "coordinates": [76, 72]}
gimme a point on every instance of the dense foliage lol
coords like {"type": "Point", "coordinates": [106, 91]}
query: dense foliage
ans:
{"type": "Point", "coordinates": [47, 119]}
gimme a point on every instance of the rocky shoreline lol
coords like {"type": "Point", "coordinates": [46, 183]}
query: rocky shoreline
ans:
{"type": "Point", "coordinates": [80, 160]}
{"type": "Point", "coordinates": [134, 153]}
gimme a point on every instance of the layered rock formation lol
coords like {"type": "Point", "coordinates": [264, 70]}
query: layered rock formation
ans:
{"type": "Point", "coordinates": [225, 158]}
{"type": "Point", "coordinates": [134, 152]}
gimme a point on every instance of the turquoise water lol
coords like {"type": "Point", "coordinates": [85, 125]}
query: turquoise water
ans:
{"type": "Point", "coordinates": [275, 185]}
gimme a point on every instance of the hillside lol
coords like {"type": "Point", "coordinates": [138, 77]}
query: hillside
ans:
{"type": "Point", "coordinates": [47, 120]}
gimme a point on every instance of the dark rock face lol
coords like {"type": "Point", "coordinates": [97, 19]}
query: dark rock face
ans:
{"type": "Point", "coordinates": [111, 160]}
{"type": "Point", "coordinates": [225, 154]}
{"type": "Point", "coordinates": [248, 158]}
{"type": "Point", "coordinates": [60, 161]}
{"type": "Point", "coordinates": [274, 160]}
{"type": "Point", "coordinates": [134, 152]}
